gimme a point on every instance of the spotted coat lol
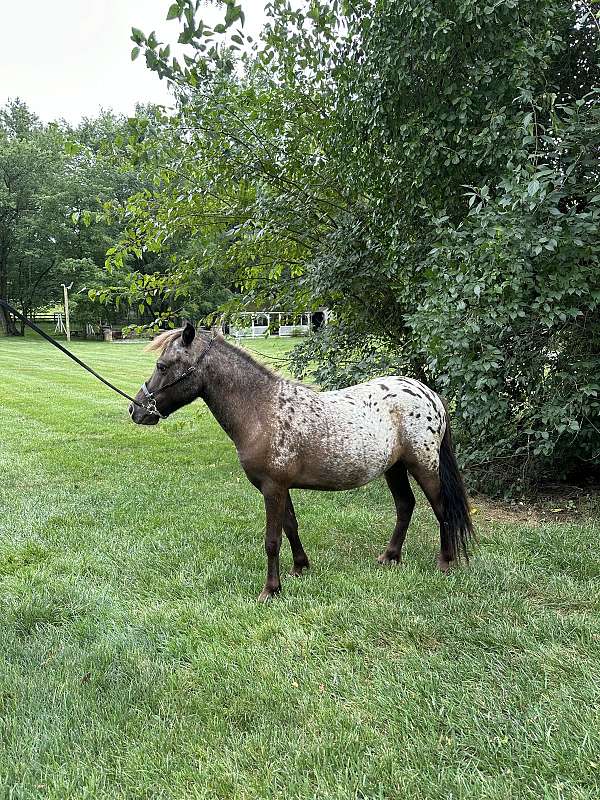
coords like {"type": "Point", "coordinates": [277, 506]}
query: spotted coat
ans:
{"type": "Point", "coordinates": [356, 433]}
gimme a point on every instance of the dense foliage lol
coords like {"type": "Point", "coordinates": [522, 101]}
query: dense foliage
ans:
{"type": "Point", "coordinates": [429, 171]}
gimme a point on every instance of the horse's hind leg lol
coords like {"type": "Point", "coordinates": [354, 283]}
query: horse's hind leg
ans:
{"type": "Point", "coordinates": [404, 499]}
{"type": "Point", "coordinates": [290, 526]}
{"type": "Point", "coordinates": [429, 481]}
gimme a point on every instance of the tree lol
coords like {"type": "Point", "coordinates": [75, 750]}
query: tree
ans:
{"type": "Point", "coordinates": [54, 184]}
{"type": "Point", "coordinates": [429, 172]}
{"type": "Point", "coordinates": [26, 163]}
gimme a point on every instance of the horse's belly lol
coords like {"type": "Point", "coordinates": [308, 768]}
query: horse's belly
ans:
{"type": "Point", "coordinates": [347, 452]}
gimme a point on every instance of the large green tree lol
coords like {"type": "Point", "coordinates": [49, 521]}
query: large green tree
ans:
{"type": "Point", "coordinates": [47, 187]}
{"type": "Point", "coordinates": [28, 163]}
{"type": "Point", "coordinates": [429, 170]}
{"type": "Point", "coordinates": [55, 183]}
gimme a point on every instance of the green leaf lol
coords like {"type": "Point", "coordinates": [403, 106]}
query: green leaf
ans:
{"type": "Point", "coordinates": [174, 11]}
{"type": "Point", "coordinates": [135, 53]}
{"type": "Point", "coordinates": [232, 14]}
{"type": "Point", "coordinates": [138, 36]}
{"type": "Point", "coordinates": [72, 148]}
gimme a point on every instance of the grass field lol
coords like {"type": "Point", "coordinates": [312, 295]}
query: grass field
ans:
{"type": "Point", "coordinates": [136, 662]}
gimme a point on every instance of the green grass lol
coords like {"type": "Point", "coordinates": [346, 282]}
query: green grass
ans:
{"type": "Point", "coordinates": [136, 662]}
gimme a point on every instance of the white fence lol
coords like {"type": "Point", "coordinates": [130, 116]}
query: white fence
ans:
{"type": "Point", "coordinates": [294, 330]}
{"type": "Point", "coordinates": [275, 320]}
{"type": "Point", "coordinates": [249, 333]}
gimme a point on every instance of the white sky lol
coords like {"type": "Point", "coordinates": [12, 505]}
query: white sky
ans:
{"type": "Point", "coordinates": [69, 58]}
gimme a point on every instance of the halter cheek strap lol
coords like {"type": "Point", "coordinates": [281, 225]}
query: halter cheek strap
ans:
{"type": "Point", "coordinates": [150, 405]}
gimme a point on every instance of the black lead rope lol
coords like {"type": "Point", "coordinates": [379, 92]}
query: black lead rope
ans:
{"type": "Point", "coordinates": [68, 353]}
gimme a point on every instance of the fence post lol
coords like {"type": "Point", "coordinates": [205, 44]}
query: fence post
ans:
{"type": "Point", "coordinates": [66, 294]}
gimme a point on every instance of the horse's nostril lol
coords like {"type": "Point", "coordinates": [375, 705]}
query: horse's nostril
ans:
{"type": "Point", "coordinates": [130, 409]}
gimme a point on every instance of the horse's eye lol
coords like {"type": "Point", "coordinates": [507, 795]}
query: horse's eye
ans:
{"type": "Point", "coordinates": [161, 367]}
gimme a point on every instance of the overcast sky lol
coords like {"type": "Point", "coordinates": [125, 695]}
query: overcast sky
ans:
{"type": "Point", "coordinates": [69, 58]}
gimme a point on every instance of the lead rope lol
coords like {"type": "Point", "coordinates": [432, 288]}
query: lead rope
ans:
{"type": "Point", "coordinates": [71, 355]}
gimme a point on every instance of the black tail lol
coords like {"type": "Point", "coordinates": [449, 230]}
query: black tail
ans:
{"type": "Point", "coordinates": [457, 514]}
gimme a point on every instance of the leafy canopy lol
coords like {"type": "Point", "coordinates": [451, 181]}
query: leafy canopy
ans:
{"type": "Point", "coordinates": [429, 171]}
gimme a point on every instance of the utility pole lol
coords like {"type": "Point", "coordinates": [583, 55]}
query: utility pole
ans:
{"type": "Point", "coordinates": [66, 294]}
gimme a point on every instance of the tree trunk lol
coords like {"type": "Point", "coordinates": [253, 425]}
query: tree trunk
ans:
{"type": "Point", "coordinates": [7, 324]}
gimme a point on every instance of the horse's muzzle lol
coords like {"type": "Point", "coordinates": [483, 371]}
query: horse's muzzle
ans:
{"type": "Point", "coordinates": [142, 417]}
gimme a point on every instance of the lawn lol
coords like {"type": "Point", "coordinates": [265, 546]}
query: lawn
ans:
{"type": "Point", "coordinates": [136, 662]}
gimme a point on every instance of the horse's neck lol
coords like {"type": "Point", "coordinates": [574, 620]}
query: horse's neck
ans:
{"type": "Point", "coordinates": [236, 390]}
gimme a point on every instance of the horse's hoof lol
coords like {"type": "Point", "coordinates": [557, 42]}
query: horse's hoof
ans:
{"type": "Point", "coordinates": [298, 571]}
{"type": "Point", "coordinates": [443, 565]}
{"type": "Point", "coordinates": [384, 558]}
{"type": "Point", "coordinates": [268, 594]}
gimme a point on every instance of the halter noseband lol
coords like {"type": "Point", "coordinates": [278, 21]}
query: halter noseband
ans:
{"type": "Point", "coordinates": [150, 406]}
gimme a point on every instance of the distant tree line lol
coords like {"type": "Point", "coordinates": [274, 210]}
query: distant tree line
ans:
{"type": "Point", "coordinates": [59, 186]}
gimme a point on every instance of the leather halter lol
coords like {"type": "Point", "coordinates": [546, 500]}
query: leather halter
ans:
{"type": "Point", "coordinates": [150, 405]}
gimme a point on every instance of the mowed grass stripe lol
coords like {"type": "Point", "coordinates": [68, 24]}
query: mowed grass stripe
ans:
{"type": "Point", "coordinates": [136, 663]}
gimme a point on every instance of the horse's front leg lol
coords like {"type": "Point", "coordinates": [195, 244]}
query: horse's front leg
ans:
{"type": "Point", "coordinates": [275, 502]}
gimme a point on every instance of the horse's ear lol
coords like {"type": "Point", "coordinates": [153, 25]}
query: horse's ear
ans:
{"type": "Point", "coordinates": [188, 334]}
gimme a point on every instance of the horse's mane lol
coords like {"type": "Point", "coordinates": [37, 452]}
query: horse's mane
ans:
{"type": "Point", "coordinates": [161, 342]}
{"type": "Point", "coordinates": [248, 357]}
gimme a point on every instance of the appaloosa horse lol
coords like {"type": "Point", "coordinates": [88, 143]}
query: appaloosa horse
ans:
{"type": "Point", "coordinates": [289, 436]}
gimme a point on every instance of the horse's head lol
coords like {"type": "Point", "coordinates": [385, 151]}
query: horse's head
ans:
{"type": "Point", "coordinates": [174, 382]}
